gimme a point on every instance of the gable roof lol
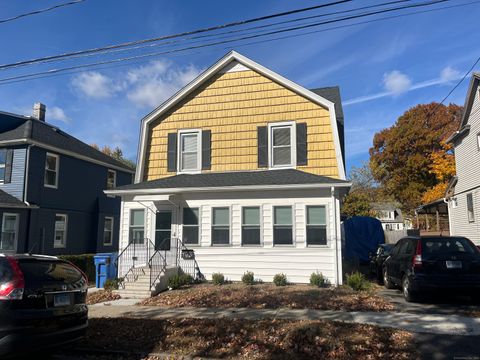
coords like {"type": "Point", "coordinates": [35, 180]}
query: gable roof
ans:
{"type": "Point", "coordinates": [207, 74]}
{"type": "Point", "coordinates": [9, 201]}
{"type": "Point", "coordinates": [18, 128]}
{"type": "Point", "coordinates": [467, 108]}
{"type": "Point", "coordinates": [227, 180]}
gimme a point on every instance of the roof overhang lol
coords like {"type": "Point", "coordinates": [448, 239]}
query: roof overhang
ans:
{"type": "Point", "coordinates": [459, 134]}
{"type": "Point", "coordinates": [163, 191]}
{"type": "Point", "coordinates": [433, 207]}
{"type": "Point", "coordinates": [199, 80]}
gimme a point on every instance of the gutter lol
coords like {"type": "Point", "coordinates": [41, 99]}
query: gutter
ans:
{"type": "Point", "coordinates": [458, 134]}
{"type": "Point", "coordinates": [226, 188]}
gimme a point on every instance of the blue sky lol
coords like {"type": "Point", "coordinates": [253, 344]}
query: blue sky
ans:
{"type": "Point", "coordinates": [382, 68]}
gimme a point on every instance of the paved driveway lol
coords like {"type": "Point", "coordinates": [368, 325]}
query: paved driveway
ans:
{"type": "Point", "coordinates": [446, 304]}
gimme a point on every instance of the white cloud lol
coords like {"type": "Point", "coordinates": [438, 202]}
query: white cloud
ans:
{"type": "Point", "coordinates": [95, 85]}
{"type": "Point", "coordinates": [56, 113]}
{"type": "Point", "coordinates": [449, 74]}
{"type": "Point", "coordinates": [396, 82]}
{"type": "Point", "coordinates": [152, 84]}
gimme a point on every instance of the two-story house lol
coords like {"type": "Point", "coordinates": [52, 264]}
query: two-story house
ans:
{"type": "Point", "coordinates": [51, 190]}
{"type": "Point", "coordinates": [463, 193]}
{"type": "Point", "coordinates": [247, 169]}
{"type": "Point", "coordinates": [390, 215]}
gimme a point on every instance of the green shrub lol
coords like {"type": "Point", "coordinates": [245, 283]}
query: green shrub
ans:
{"type": "Point", "coordinates": [280, 280]}
{"type": "Point", "coordinates": [248, 278]}
{"type": "Point", "coordinates": [317, 279]}
{"type": "Point", "coordinates": [358, 282]}
{"type": "Point", "coordinates": [84, 262]}
{"type": "Point", "coordinates": [218, 279]}
{"type": "Point", "coordinates": [179, 280]}
{"type": "Point", "coordinates": [112, 284]}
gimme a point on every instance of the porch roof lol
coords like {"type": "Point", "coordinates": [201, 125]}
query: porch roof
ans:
{"type": "Point", "coordinates": [9, 201]}
{"type": "Point", "coordinates": [234, 180]}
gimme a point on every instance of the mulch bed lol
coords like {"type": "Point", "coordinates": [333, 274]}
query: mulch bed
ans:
{"type": "Point", "coordinates": [239, 338]}
{"type": "Point", "coordinates": [101, 296]}
{"type": "Point", "coordinates": [267, 296]}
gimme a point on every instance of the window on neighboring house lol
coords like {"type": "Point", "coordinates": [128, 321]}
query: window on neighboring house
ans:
{"type": "Point", "coordinates": [251, 226]}
{"type": "Point", "coordinates": [137, 226]}
{"type": "Point", "coordinates": [189, 151]}
{"type": "Point", "coordinates": [282, 152]}
{"type": "Point", "coordinates": [190, 226]}
{"type": "Point", "coordinates": [454, 203]}
{"type": "Point", "coordinates": [8, 239]}
{"type": "Point", "coordinates": [111, 179]}
{"type": "Point", "coordinates": [470, 209]}
{"type": "Point", "coordinates": [478, 141]}
{"type": "Point", "coordinates": [282, 225]}
{"type": "Point", "coordinates": [51, 170]}
{"type": "Point", "coordinates": [60, 237]}
{"type": "Point", "coordinates": [108, 231]}
{"type": "Point", "coordinates": [221, 226]}
{"type": "Point", "coordinates": [316, 225]}
{"type": "Point", "coordinates": [3, 162]}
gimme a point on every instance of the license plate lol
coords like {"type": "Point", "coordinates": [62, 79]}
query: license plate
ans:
{"type": "Point", "coordinates": [61, 300]}
{"type": "Point", "coordinates": [454, 264]}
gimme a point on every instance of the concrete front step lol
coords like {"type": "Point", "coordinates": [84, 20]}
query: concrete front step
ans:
{"type": "Point", "coordinates": [135, 294]}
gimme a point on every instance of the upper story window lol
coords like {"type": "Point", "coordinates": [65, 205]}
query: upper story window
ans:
{"type": "Point", "coordinates": [189, 151]}
{"type": "Point", "coordinates": [111, 179]}
{"type": "Point", "coordinates": [470, 209]}
{"type": "Point", "coordinates": [6, 161]}
{"type": "Point", "coordinates": [282, 145]}
{"type": "Point", "coordinates": [51, 170]}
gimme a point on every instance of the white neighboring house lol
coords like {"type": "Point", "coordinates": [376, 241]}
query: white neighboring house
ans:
{"type": "Point", "coordinates": [463, 194]}
{"type": "Point", "coordinates": [390, 216]}
{"type": "Point", "coordinates": [244, 170]}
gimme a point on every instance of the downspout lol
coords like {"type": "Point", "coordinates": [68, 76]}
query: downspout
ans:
{"type": "Point", "coordinates": [445, 200]}
{"type": "Point", "coordinates": [335, 233]}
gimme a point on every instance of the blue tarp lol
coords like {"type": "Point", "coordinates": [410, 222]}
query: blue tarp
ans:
{"type": "Point", "coordinates": [362, 236]}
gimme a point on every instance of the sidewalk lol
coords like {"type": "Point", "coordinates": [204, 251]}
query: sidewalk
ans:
{"type": "Point", "coordinates": [420, 323]}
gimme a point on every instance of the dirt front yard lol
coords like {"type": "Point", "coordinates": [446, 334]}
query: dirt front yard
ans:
{"type": "Point", "coordinates": [239, 338]}
{"type": "Point", "coordinates": [269, 296]}
{"type": "Point", "coordinates": [101, 296]}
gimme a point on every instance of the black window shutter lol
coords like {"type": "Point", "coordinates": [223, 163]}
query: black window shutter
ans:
{"type": "Point", "coordinates": [8, 166]}
{"type": "Point", "coordinates": [172, 152]}
{"type": "Point", "coordinates": [206, 149]}
{"type": "Point", "coordinates": [302, 144]}
{"type": "Point", "coordinates": [262, 141]}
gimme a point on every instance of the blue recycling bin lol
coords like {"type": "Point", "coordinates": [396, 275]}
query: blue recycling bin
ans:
{"type": "Point", "coordinates": [104, 268]}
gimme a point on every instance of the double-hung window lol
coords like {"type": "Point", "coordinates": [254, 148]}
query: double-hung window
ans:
{"type": "Point", "coordinates": [51, 171]}
{"type": "Point", "coordinates": [221, 226]}
{"type": "Point", "coordinates": [282, 225]}
{"type": "Point", "coordinates": [470, 209]}
{"type": "Point", "coordinates": [251, 226]}
{"type": "Point", "coordinates": [282, 145]}
{"type": "Point", "coordinates": [111, 179]}
{"type": "Point", "coordinates": [60, 236]}
{"type": "Point", "coordinates": [316, 225]}
{"type": "Point", "coordinates": [108, 231]}
{"type": "Point", "coordinates": [9, 237]}
{"type": "Point", "coordinates": [137, 226]}
{"type": "Point", "coordinates": [189, 151]}
{"type": "Point", "coordinates": [190, 226]}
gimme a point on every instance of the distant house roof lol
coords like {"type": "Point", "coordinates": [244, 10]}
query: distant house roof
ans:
{"type": "Point", "coordinates": [16, 127]}
{"type": "Point", "coordinates": [233, 179]}
{"type": "Point", "coordinates": [9, 201]}
{"type": "Point", "coordinates": [389, 206]}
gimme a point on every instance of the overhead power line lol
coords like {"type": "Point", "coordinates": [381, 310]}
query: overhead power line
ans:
{"type": "Point", "coordinates": [54, 71]}
{"type": "Point", "coordinates": [137, 42]}
{"type": "Point", "coordinates": [36, 12]}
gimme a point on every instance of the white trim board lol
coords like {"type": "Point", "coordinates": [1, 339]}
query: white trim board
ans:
{"type": "Point", "coordinates": [199, 80]}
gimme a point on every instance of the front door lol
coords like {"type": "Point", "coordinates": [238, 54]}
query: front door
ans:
{"type": "Point", "coordinates": [163, 230]}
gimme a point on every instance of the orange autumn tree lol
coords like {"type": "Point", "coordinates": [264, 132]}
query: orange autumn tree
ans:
{"type": "Point", "coordinates": [442, 166]}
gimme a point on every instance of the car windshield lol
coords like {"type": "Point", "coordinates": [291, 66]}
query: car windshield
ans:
{"type": "Point", "coordinates": [387, 249]}
{"type": "Point", "coordinates": [42, 270]}
{"type": "Point", "coordinates": [440, 246]}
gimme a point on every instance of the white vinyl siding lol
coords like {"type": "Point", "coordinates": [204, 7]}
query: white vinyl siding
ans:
{"type": "Point", "coordinates": [298, 260]}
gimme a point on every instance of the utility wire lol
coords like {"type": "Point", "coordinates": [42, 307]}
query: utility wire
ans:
{"type": "Point", "coordinates": [236, 23]}
{"type": "Point", "coordinates": [36, 12]}
{"type": "Point", "coordinates": [53, 71]}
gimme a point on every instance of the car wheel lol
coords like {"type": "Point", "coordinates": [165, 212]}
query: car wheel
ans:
{"type": "Point", "coordinates": [407, 290]}
{"type": "Point", "coordinates": [386, 280]}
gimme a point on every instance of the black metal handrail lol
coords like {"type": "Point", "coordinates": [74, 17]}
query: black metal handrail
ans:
{"type": "Point", "coordinates": [158, 262]}
{"type": "Point", "coordinates": [137, 251]}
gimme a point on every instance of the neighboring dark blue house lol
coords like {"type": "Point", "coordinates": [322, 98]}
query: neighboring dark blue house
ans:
{"type": "Point", "coordinates": [51, 190]}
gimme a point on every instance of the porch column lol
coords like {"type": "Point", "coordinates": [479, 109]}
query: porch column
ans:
{"type": "Point", "coordinates": [427, 225]}
{"type": "Point", "coordinates": [437, 215]}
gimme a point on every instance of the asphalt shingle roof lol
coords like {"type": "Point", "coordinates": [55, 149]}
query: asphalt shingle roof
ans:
{"type": "Point", "coordinates": [7, 200]}
{"type": "Point", "coordinates": [241, 178]}
{"type": "Point", "coordinates": [15, 127]}
{"type": "Point", "coordinates": [332, 94]}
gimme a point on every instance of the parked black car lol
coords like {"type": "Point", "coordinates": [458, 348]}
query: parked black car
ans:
{"type": "Point", "coordinates": [42, 303]}
{"type": "Point", "coordinates": [422, 264]}
{"type": "Point", "coordinates": [377, 259]}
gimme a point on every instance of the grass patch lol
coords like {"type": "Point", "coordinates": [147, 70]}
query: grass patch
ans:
{"type": "Point", "coordinates": [269, 296]}
{"type": "Point", "coordinates": [246, 339]}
